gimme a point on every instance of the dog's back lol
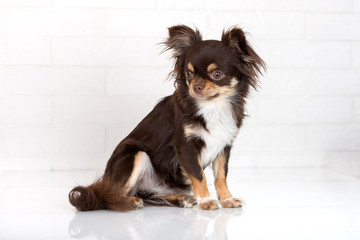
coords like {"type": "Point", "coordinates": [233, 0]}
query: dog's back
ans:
{"type": "Point", "coordinates": [163, 158]}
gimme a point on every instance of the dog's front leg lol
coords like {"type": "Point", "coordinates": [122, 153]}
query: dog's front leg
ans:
{"type": "Point", "coordinates": [191, 164]}
{"type": "Point", "coordinates": [201, 193]}
{"type": "Point", "coordinates": [220, 167]}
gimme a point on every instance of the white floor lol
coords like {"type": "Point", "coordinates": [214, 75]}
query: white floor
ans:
{"type": "Point", "coordinates": [282, 203]}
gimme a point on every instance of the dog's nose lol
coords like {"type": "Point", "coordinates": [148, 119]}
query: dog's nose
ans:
{"type": "Point", "coordinates": [199, 88]}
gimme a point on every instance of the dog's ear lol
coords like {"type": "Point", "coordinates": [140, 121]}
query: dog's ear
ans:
{"type": "Point", "coordinates": [249, 62]}
{"type": "Point", "coordinates": [180, 38]}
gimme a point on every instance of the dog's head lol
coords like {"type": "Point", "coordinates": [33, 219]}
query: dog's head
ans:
{"type": "Point", "coordinates": [209, 69]}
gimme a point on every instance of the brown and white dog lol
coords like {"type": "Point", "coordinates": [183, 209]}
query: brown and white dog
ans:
{"type": "Point", "coordinates": [163, 159]}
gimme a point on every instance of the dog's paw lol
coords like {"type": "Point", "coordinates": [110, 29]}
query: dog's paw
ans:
{"type": "Point", "coordinates": [182, 201]}
{"type": "Point", "coordinates": [187, 201]}
{"type": "Point", "coordinates": [232, 203]}
{"type": "Point", "coordinates": [208, 204]}
{"type": "Point", "coordinates": [136, 203]}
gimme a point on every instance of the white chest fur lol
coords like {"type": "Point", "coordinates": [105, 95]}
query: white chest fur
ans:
{"type": "Point", "coordinates": [220, 129]}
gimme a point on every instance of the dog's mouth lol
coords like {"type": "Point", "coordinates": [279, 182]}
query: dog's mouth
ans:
{"type": "Point", "coordinates": [209, 92]}
{"type": "Point", "coordinates": [203, 96]}
{"type": "Point", "coordinates": [201, 91]}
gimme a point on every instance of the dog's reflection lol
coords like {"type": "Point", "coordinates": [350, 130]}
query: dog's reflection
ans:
{"type": "Point", "coordinates": [153, 223]}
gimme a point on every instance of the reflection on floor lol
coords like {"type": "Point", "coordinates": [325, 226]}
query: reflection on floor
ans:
{"type": "Point", "coordinates": [282, 203]}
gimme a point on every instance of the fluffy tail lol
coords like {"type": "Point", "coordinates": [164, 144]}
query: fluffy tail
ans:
{"type": "Point", "coordinates": [100, 195]}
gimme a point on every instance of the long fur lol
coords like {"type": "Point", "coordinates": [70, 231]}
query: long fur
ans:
{"type": "Point", "coordinates": [185, 132]}
{"type": "Point", "coordinates": [102, 194]}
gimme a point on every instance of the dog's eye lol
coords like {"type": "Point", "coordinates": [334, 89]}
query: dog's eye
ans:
{"type": "Point", "coordinates": [217, 75]}
{"type": "Point", "coordinates": [189, 74]}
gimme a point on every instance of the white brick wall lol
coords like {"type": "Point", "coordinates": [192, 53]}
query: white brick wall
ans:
{"type": "Point", "coordinates": [15, 110]}
{"type": "Point", "coordinates": [77, 75]}
{"type": "Point", "coordinates": [18, 50]}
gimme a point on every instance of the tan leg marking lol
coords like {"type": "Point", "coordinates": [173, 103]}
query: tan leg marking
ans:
{"type": "Point", "coordinates": [141, 163]}
{"type": "Point", "coordinates": [202, 194]}
{"type": "Point", "coordinates": [223, 193]}
{"type": "Point", "coordinates": [220, 178]}
{"type": "Point", "coordinates": [199, 188]}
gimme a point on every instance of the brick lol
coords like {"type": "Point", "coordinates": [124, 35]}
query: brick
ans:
{"type": "Point", "coordinates": [355, 159]}
{"type": "Point", "coordinates": [77, 22]}
{"type": "Point", "coordinates": [241, 5]}
{"type": "Point", "coordinates": [357, 110]}
{"type": "Point", "coordinates": [23, 20]}
{"type": "Point", "coordinates": [304, 110]}
{"type": "Point", "coordinates": [131, 81]}
{"type": "Point", "coordinates": [28, 140]}
{"type": "Point", "coordinates": [79, 161]}
{"type": "Point", "coordinates": [27, 3]}
{"type": "Point", "coordinates": [154, 26]}
{"type": "Point", "coordinates": [306, 6]}
{"type": "Point", "coordinates": [270, 138]}
{"type": "Point", "coordinates": [32, 51]}
{"type": "Point", "coordinates": [344, 162]}
{"type": "Point", "coordinates": [219, 22]}
{"type": "Point", "coordinates": [102, 110]}
{"type": "Point", "coordinates": [52, 22]}
{"type": "Point", "coordinates": [333, 138]}
{"type": "Point", "coordinates": [262, 26]}
{"type": "Point", "coordinates": [102, 51]}
{"type": "Point", "coordinates": [281, 26]}
{"type": "Point", "coordinates": [183, 5]}
{"type": "Point", "coordinates": [241, 159]}
{"type": "Point", "coordinates": [283, 82]}
{"type": "Point", "coordinates": [356, 55]}
{"type": "Point", "coordinates": [51, 80]}
{"type": "Point", "coordinates": [105, 4]}
{"type": "Point", "coordinates": [342, 27]}
{"type": "Point", "coordinates": [25, 163]}
{"type": "Point", "coordinates": [332, 82]}
{"type": "Point", "coordinates": [305, 54]}
{"type": "Point", "coordinates": [357, 5]}
{"type": "Point", "coordinates": [16, 110]}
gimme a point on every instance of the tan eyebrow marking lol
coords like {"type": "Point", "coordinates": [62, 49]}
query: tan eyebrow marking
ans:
{"type": "Point", "coordinates": [212, 67]}
{"type": "Point", "coordinates": [191, 67]}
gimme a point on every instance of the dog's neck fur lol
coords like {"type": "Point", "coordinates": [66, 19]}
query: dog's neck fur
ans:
{"type": "Point", "coordinates": [218, 127]}
{"type": "Point", "coordinates": [221, 127]}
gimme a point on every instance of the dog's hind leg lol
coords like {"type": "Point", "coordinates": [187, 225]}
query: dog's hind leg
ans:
{"type": "Point", "coordinates": [141, 165]}
{"type": "Point", "coordinates": [115, 189]}
{"type": "Point", "coordinates": [128, 173]}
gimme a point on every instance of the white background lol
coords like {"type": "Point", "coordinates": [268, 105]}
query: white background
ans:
{"type": "Point", "coordinates": [77, 75]}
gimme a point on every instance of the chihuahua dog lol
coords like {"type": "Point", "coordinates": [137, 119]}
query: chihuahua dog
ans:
{"type": "Point", "coordinates": [163, 159]}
